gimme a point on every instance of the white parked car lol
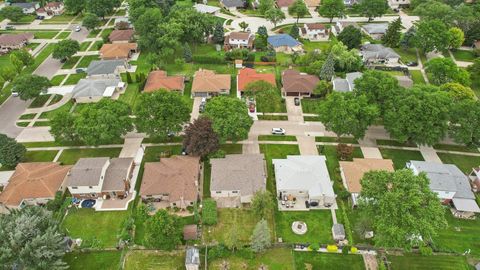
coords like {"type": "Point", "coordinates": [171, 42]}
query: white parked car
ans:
{"type": "Point", "coordinates": [78, 28]}
{"type": "Point", "coordinates": [278, 131]}
{"type": "Point", "coordinates": [15, 94]}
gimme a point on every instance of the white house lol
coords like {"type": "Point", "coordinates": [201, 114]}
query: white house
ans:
{"type": "Point", "coordinates": [314, 31]}
{"type": "Point", "coordinates": [27, 7]}
{"type": "Point", "coordinates": [206, 9]}
{"type": "Point", "coordinates": [395, 4]}
{"type": "Point", "coordinates": [303, 183]}
{"type": "Point", "coordinates": [239, 40]}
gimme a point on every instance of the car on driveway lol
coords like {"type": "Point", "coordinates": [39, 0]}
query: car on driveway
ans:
{"type": "Point", "coordinates": [296, 101]}
{"type": "Point", "coordinates": [278, 131]}
{"type": "Point", "coordinates": [412, 64]}
{"type": "Point", "coordinates": [10, 27]}
{"type": "Point", "coordinates": [78, 28]}
{"type": "Point", "coordinates": [39, 17]}
{"type": "Point", "coordinates": [80, 70]}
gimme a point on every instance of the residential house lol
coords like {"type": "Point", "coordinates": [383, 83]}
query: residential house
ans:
{"type": "Point", "coordinates": [207, 83]}
{"type": "Point", "coordinates": [396, 4]}
{"type": "Point", "coordinates": [298, 84]}
{"type": "Point", "coordinates": [100, 178]}
{"type": "Point", "coordinates": [475, 178]}
{"type": "Point", "coordinates": [158, 79]}
{"type": "Point", "coordinates": [247, 76]}
{"type": "Point", "coordinates": [27, 7]}
{"type": "Point", "coordinates": [236, 178]}
{"type": "Point", "coordinates": [303, 183]}
{"type": "Point", "coordinates": [106, 69]}
{"type": "Point", "coordinates": [33, 183]}
{"type": "Point", "coordinates": [118, 51]}
{"type": "Point", "coordinates": [93, 90]}
{"type": "Point", "coordinates": [284, 43]}
{"type": "Point", "coordinates": [121, 36]}
{"type": "Point", "coordinates": [375, 30]}
{"type": "Point", "coordinates": [192, 259]}
{"type": "Point", "coordinates": [10, 42]}
{"type": "Point", "coordinates": [378, 54]}
{"type": "Point", "coordinates": [51, 9]}
{"type": "Point", "coordinates": [314, 31]}
{"type": "Point", "coordinates": [450, 184]}
{"type": "Point", "coordinates": [205, 9]}
{"type": "Point", "coordinates": [123, 20]}
{"type": "Point", "coordinates": [239, 40]}
{"type": "Point", "coordinates": [284, 4]}
{"type": "Point", "coordinates": [353, 171]}
{"type": "Point", "coordinates": [340, 25]}
{"type": "Point", "coordinates": [347, 84]}
{"type": "Point", "coordinates": [404, 81]}
{"type": "Point", "coordinates": [172, 181]}
{"type": "Point", "coordinates": [232, 5]}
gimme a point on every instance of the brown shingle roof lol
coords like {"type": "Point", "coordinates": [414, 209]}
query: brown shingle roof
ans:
{"type": "Point", "coordinates": [87, 172]}
{"type": "Point", "coordinates": [121, 35]}
{"type": "Point", "coordinates": [15, 39]}
{"type": "Point", "coordinates": [239, 35]}
{"type": "Point", "coordinates": [176, 176]}
{"type": "Point", "coordinates": [159, 80]}
{"type": "Point", "coordinates": [207, 81]}
{"type": "Point", "coordinates": [249, 75]}
{"type": "Point", "coordinates": [284, 3]}
{"type": "Point", "coordinates": [315, 26]}
{"type": "Point", "coordinates": [354, 170]}
{"type": "Point", "coordinates": [294, 81]}
{"type": "Point", "coordinates": [32, 181]}
{"type": "Point", "coordinates": [117, 50]}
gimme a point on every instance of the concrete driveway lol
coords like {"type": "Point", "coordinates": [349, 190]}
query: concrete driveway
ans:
{"type": "Point", "coordinates": [78, 36]}
{"type": "Point", "coordinates": [295, 113]}
{"type": "Point", "coordinates": [10, 111]}
{"type": "Point", "coordinates": [48, 68]}
{"type": "Point", "coordinates": [196, 106]}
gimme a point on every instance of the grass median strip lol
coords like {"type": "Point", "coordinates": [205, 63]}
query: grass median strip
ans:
{"type": "Point", "coordinates": [277, 138]}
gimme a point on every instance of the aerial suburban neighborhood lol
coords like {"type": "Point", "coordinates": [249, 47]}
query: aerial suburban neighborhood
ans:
{"type": "Point", "coordinates": [240, 134]}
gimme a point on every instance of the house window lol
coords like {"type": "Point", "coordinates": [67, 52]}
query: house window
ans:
{"type": "Point", "coordinates": [235, 191]}
{"type": "Point", "coordinates": [90, 187]}
{"type": "Point", "coordinates": [174, 204]}
{"type": "Point", "coordinates": [191, 203]}
{"type": "Point", "coordinates": [74, 187]}
{"type": "Point", "coordinates": [93, 195]}
{"type": "Point", "coordinates": [218, 192]}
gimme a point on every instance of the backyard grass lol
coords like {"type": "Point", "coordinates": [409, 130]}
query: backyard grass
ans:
{"type": "Point", "coordinates": [319, 224]}
{"type": "Point", "coordinates": [40, 156]}
{"type": "Point", "coordinates": [277, 138]}
{"type": "Point", "coordinates": [417, 77]}
{"type": "Point", "coordinates": [395, 143]}
{"type": "Point", "coordinates": [273, 259]}
{"type": "Point", "coordinates": [97, 229]}
{"type": "Point", "coordinates": [141, 259]}
{"type": "Point", "coordinates": [335, 139]}
{"type": "Point", "coordinates": [454, 147]}
{"type": "Point", "coordinates": [273, 117]}
{"type": "Point", "coordinates": [74, 78]}
{"type": "Point", "coordinates": [70, 63]}
{"type": "Point", "coordinates": [84, 45]}
{"type": "Point", "coordinates": [274, 151]}
{"type": "Point", "coordinates": [463, 55]}
{"type": "Point", "coordinates": [400, 157]}
{"type": "Point", "coordinates": [310, 46]}
{"type": "Point", "coordinates": [310, 105]}
{"type": "Point", "coordinates": [39, 101]}
{"type": "Point", "coordinates": [408, 55]}
{"type": "Point", "coordinates": [130, 95]}
{"type": "Point", "coordinates": [463, 162]}
{"type": "Point", "coordinates": [460, 235]}
{"type": "Point", "coordinates": [438, 262]}
{"type": "Point", "coordinates": [330, 152]}
{"type": "Point", "coordinates": [57, 80]}
{"type": "Point", "coordinates": [244, 220]}
{"type": "Point", "coordinates": [328, 261]}
{"type": "Point", "coordinates": [86, 60]}
{"type": "Point", "coordinates": [71, 156]}
{"type": "Point", "coordinates": [105, 260]}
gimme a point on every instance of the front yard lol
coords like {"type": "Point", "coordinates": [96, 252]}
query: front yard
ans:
{"type": "Point", "coordinates": [40, 156]}
{"type": "Point", "coordinates": [71, 156]}
{"type": "Point", "coordinates": [463, 162]}
{"type": "Point", "coordinates": [328, 261]}
{"type": "Point", "coordinates": [400, 157]}
{"type": "Point", "coordinates": [319, 225]}
{"type": "Point", "coordinates": [273, 151]}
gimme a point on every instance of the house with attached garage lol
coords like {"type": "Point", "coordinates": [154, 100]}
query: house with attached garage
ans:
{"type": "Point", "coordinates": [451, 185]}
{"type": "Point", "coordinates": [378, 54]}
{"type": "Point", "coordinates": [314, 31]}
{"type": "Point", "coordinates": [118, 51]}
{"type": "Point", "coordinates": [247, 76]}
{"type": "Point", "coordinates": [121, 36]}
{"type": "Point", "coordinates": [238, 40]}
{"type": "Point", "coordinates": [232, 5]}
{"type": "Point", "coordinates": [171, 182]}
{"type": "Point", "coordinates": [92, 90]}
{"type": "Point", "coordinates": [27, 7]}
{"type": "Point", "coordinates": [353, 171]}
{"type": "Point", "coordinates": [100, 178]}
{"type": "Point", "coordinates": [375, 30]}
{"type": "Point", "coordinates": [10, 42]}
{"type": "Point", "coordinates": [206, 83]}
{"type": "Point", "coordinates": [51, 9]}
{"type": "Point", "coordinates": [295, 83]}
{"type": "Point", "coordinates": [106, 69]}
{"type": "Point", "coordinates": [284, 43]}
{"type": "Point", "coordinates": [33, 183]}
{"type": "Point", "coordinates": [347, 84]}
{"type": "Point", "coordinates": [303, 183]}
{"type": "Point", "coordinates": [158, 79]}
{"type": "Point", "coordinates": [236, 178]}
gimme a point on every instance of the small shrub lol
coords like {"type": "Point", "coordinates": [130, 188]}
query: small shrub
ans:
{"type": "Point", "coordinates": [426, 251]}
{"type": "Point", "coordinates": [314, 246]}
{"type": "Point", "coordinates": [345, 250]}
{"type": "Point", "coordinates": [353, 250]}
{"type": "Point", "coordinates": [344, 151]}
{"type": "Point", "coordinates": [332, 248]}
{"type": "Point", "coordinates": [217, 154]}
{"type": "Point", "coordinates": [209, 212]}
{"type": "Point", "coordinates": [216, 252]}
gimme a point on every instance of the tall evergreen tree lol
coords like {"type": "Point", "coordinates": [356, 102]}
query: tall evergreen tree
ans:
{"type": "Point", "coordinates": [393, 34]}
{"type": "Point", "coordinates": [328, 69]}
{"type": "Point", "coordinates": [11, 152]}
{"type": "Point", "coordinates": [218, 34]}
{"type": "Point", "coordinates": [261, 237]}
{"type": "Point", "coordinates": [295, 32]}
{"type": "Point", "coordinates": [187, 53]}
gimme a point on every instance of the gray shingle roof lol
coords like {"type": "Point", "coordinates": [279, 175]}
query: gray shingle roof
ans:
{"type": "Point", "coordinates": [244, 172]}
{"type": "Point", "coordinates": [86, 172]}
{"type": "Point", "coordinates": [192, 256]}
{"type": "Point", "coordinates": [93, 87]}
{"type": "Point", "coordinates": [376, 28]}
{"type": "Point", "coordinates": [116, 173]}
{"type": "Point", "coordinates": [347, 84]}
{"type": "Point", "coordinates": [234, 3]}
{"type": "Point", "coordinates": [377, 51]}
{"type": "Point", "coordinates": [100, 67]}
{"type": "Point", "coordinates": [26, 5]}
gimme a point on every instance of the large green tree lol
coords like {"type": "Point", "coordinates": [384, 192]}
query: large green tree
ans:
{"type": "Point", "coordinates": [261, 239]}
{"type": "Point", "coordinates": [30, 86]}
{"type": "Point", "coordinates": [298, 8]}
{"type": "Point", "coordinates": [12, 13]}
{"type": "Point", "coordinates": [218, 34]}
{"type": "Point", "coordinates": [402, 208]}
{"type": "Point", "coordinates": [163, 231]}
{"type": "Point", "coordinates": [444, 70]}
{"type": "Point", "coordinates": [328, 68]}
{"type": "Point", "coordinates": [30, 239]}
{"type": "Point", "coordinates": [347, 114]}
{"type": "Point", "coordinates": [420, 115]}
{"type": "Point", "coordinates": [373, 8]}
{"type": "Point", "coordinates": [458, 92]}
{"type": "Point", "coordinates": [393, 34]}
{"type": "Point", "coordinates": [377, 86]}
{"type": "Point", "coordinates": [62, 127]}
{"type": "Point", "coordinates": [464, 125]}
{"type": "Point", "coordinates": [200, 139]}
{"type": "Point", "coordinates": [90, 21]}
{"type": "Point", "coordinates": [230, 118]}
{"type": "Point", "coordinates": [264, 5]}
{"type": "Point", "coordinates": [65, 49]}
{"type": "Point", "coordinates": [160, 113]}
{"type": "Point", "coordinates": [332, 9]}
{"type": "Point", "coordinates": [263, 204]}
{"type": "Point", "coordinates": [101, 8]}
{"type": "Point", "coordinates": [74, 6]}
{"type": "Point", "coordinates": [431, 35]}
{"type": "Point", "coordinates": [274, 15]}
{"type": "Point", "coordinates": [350, 36]}
{"type": "Point", "coordinates": [457, 37]}
{"type": "Point", "coordinates": [103, 122]}
{"type": "Point", "coordinates": [431, 9]}
{"type": "Point", "coordinates": [346, 60]}
{"type": "Point", "coordinates": [11, 152]}
{"type": "Point", "coordinates": [24, 57]}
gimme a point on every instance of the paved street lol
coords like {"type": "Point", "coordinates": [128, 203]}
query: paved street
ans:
{"type": "Point", "coordinates": [10, 111]}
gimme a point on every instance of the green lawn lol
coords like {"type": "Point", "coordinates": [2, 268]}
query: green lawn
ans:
{"type": "Point", "coordinates": [105, 260]}
{"type": "Point", "coordinates": [244, 219]}
{"type": "Point", "coordinates": [464, 163]}
{"type": "Point", "coordinates": [70, 63]}
{"type": "Point", "coordinates": [64, 35]}
{"type": "Point", "coordinates": [328, 261]}
{"type": "Point", "coordinates": [273, 259]}
{"type": "Point", "coordinates": [454, 147]}
{"type": "Point", "coordinates": [319, 224]}
{"type": "Point", "coordinates": [153, 153]}
{"type": "Point", "coordinates": [277, 138]}
{"type": "Point", "coordinates": [463, 55]}
{"type": "Point", "coordinates": [417, 77]}
{"type": "Point", "coordinates": [438, 262]}
{"type": "Point", "coordinates": [310, 105]}
{"type": "Point", "coordinates": [400, 157]}
{"type": "Point", "coordinates": [131, 94]}
{"type": "Point", "coordinates": [39, 101]}
{"type": "Point", "coordinates": [96, 46]}
{"type": "Point", "coordinates": [335, 139]}
{"type": "Point", "coordinates": [330, 152]}
{"type": "Point", "coordinates": [273, 117]}
{"type": "Point", "coordinates": [84, 45]}
{"type": "Point", "coordinates": [64, 18]}
{"type": "Point", "coordinates": [310, 46]}
{"type": "Point", "coordinates": [93, 33]}
{"type": "Point", "coordinates": [27, 116]}
{"type": "Point", "coordinates": [275, 151]}
{"type": "Point", "coordinates": [86, 60]}
{"type": "Point", "coordinates": [460, 235]}
{"type": "Point", "coordinates": [74, 78]}
{"type": "Point", "coordinates": [97, 229]}
{"type": "Point", "coordinates": [141, 259]}
{"type": "Point", "coordinates": [271, 106]}
{"type": "Point", "coordinates": [38, 34]}
{"type": "Point", "coordinates": [56, 98]}
{"type": "Point", "coordinates": [395, 143]}
{"type": "Point", "coordinates": [231, 148]}
{"type": "Point", "coordinates": [40, 156]}
{"type": "Point", "coordinates": [41, 124]}
{"type": "Point", "coordinates": [408, 55]}
{"type": "Point", "coordinates": [64, 108]}
{"type": "Point", "coordinates": [71, 156]}
{"type": "Point", "coordinates": [57, 80]}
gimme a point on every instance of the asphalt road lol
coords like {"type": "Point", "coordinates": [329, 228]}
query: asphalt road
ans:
{"type": "Point", "coordinates": [9, 113]}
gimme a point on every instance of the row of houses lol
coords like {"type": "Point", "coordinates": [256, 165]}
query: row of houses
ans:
{"type": "Point", "coordinates": [48, 9]}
